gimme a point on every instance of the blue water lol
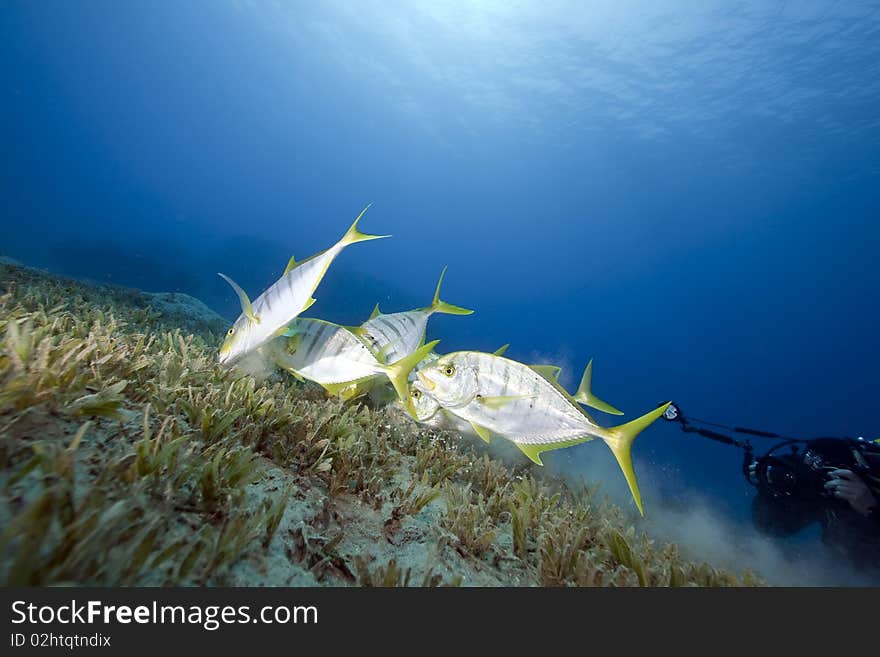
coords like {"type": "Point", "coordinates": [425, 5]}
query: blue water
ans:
{"type": "Point", "coordinates": [687, 192]}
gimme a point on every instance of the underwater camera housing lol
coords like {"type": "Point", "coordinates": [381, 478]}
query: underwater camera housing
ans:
{"type": "Point", "coordinates": [798, 474]}
{"type": "Point", "coordinates": [803, 473]}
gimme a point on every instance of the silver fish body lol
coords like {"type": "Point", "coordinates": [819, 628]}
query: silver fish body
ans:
{"type": "Point", "coordinates": [499, 396]}
{"type": "Point", "coordinates": [323, 352]}
{"type": "Point", "coordinates": [508, 398]}
{"type": "Point", "coordinates": [284, 300]}
{"type": "Point", "coordinates": [396, 335]}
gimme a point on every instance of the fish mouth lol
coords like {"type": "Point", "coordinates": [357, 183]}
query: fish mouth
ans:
{"type": "Point", "coordinates": [227, 357]}
{"type": "Point", "coordinates": [430, 385]}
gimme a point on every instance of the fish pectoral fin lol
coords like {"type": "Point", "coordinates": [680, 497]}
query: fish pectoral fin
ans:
{"type": "Point", "coordinates": [482, 432]}
{"type": "Point", "coordinates": [308, 304]}
{"type": "Point", "coordinates": [246, 308]}
{"type": "Point", "coordinates": [534, 451]}
{"type": "Point", "coordinates": [548, 371]}
{"type": "Point", "coordinates": [500, 351]}
{"type": "Point", "coordinates": [382, 354]}
{"type": "Point", "coordinates": [496, 403]}
{"type": "Point", "coordinates": [282, 332]}
{"type": "Point", "coordinates": [290, 265]}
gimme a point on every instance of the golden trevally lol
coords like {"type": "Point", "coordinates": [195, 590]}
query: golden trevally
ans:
{"type": "Point", "coordinates": [396, 335]}
{"type": "Point", "coordinates": [503, 397]}
{"type": "Point", "coordinates": [335, 358]}
{"type": "Point", "coordinates": [284, 300]}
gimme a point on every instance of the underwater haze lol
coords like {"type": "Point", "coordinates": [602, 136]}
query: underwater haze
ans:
{"type": "Point", "coordinates": [687, 192]}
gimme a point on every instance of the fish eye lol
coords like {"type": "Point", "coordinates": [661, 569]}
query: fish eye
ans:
{"type": "Point", "coordinates": [416, 393]}
{"type": "Point", "coordinates": [449, 370]}
{"type": "Point", "coordinates": [230, 331]}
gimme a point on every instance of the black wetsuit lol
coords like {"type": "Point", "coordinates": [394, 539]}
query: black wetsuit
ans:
{"type": "Point", "coordinates": [844, 530]}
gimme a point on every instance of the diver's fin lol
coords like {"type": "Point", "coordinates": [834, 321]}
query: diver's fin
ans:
{"type": "Point", "coordinates": [375, 313]}
{"type": "Point", "coordinates": [290, 265]}
{"type": "Point", "coordinates": [620, 440]}
{"type": "Point", "coordinates": [482, 432]}
{"type": "Point", "coordinates": [534, 451]}
{"type": "Point", "coordinates": [500, 351]}
{"type": "Point", "coordinates": [584, 394]}
{"type": "Point", "coordinates": [496, 403]}
{"type": "Point", "coordinates": [548, 371]}
{"type": "Point", "coordinates": [246, 308]}
{"type": "Point", "coordinates": [398, 372]}
{"type": "Point", "coordinates": [308, 304]}
{"type": "Point", "coordinates": [353, 235]}
{"type": "Point", "coordinates": [438, 306]}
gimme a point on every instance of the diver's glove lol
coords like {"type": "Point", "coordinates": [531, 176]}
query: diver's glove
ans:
{"type": "Point", "coordinates": [848, 486]}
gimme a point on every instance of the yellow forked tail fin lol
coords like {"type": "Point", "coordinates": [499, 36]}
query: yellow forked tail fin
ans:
{"type": "Point", "coordinates": [620, 440]}
{"type": "Point", "coordinates": [585, 395]}
{"type": "Point", "coordinates": [398, 372]}
{"type": "Point", "coordinates": [353, 235]}
{"type": "Point", "coordinates": [438, 306]}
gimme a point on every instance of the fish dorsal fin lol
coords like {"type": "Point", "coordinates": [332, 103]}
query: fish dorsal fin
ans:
{"type": "Point", "coordinates": [308, 304]}
{"type": "Point", "coordinates": [246, 308]}
{"type": "Point", "coordinates": [482, 432]}
{"type": "Point", "coordinates": [439, 306]}
{"type": "Point", "coordinates": [497, 403]}
{"type": "Point", "coordinates": [375, 313]}
{"type": "Point", "coordinates": [501, 350]}
{"type": "Point", "coordinates": [585, 395]}
{"type": "Point", "coordinates": [547, 371]}
{"type": "Point", "coordinates": [290, 265]}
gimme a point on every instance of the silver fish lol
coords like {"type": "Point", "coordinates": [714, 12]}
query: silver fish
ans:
{"type": "Point", "coordinates": [396, 335]}
{"type": "Point", "coordinates": [335, 358]}
{"type": "Point", "coordinates": [503, 397]}
{"type": "Point", "coordinates": [284, 300]}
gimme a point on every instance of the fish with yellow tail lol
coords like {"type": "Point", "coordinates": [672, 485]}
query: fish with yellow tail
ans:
{"type": "Point", "coordinates": [270, 313]}
{"type": "Point", "coordinates": [502, 397]}
{"type": "Point", "coordinates": [336, 359]}
{"type": "Point", "coordinates": [395, 335]}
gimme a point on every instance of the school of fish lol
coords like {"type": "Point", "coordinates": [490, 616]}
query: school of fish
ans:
{"type": "Point", "coordinates": [471, 392]}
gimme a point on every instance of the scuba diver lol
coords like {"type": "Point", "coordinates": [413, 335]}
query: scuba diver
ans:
{"type": "Point", "coordinates": [832, 481]}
